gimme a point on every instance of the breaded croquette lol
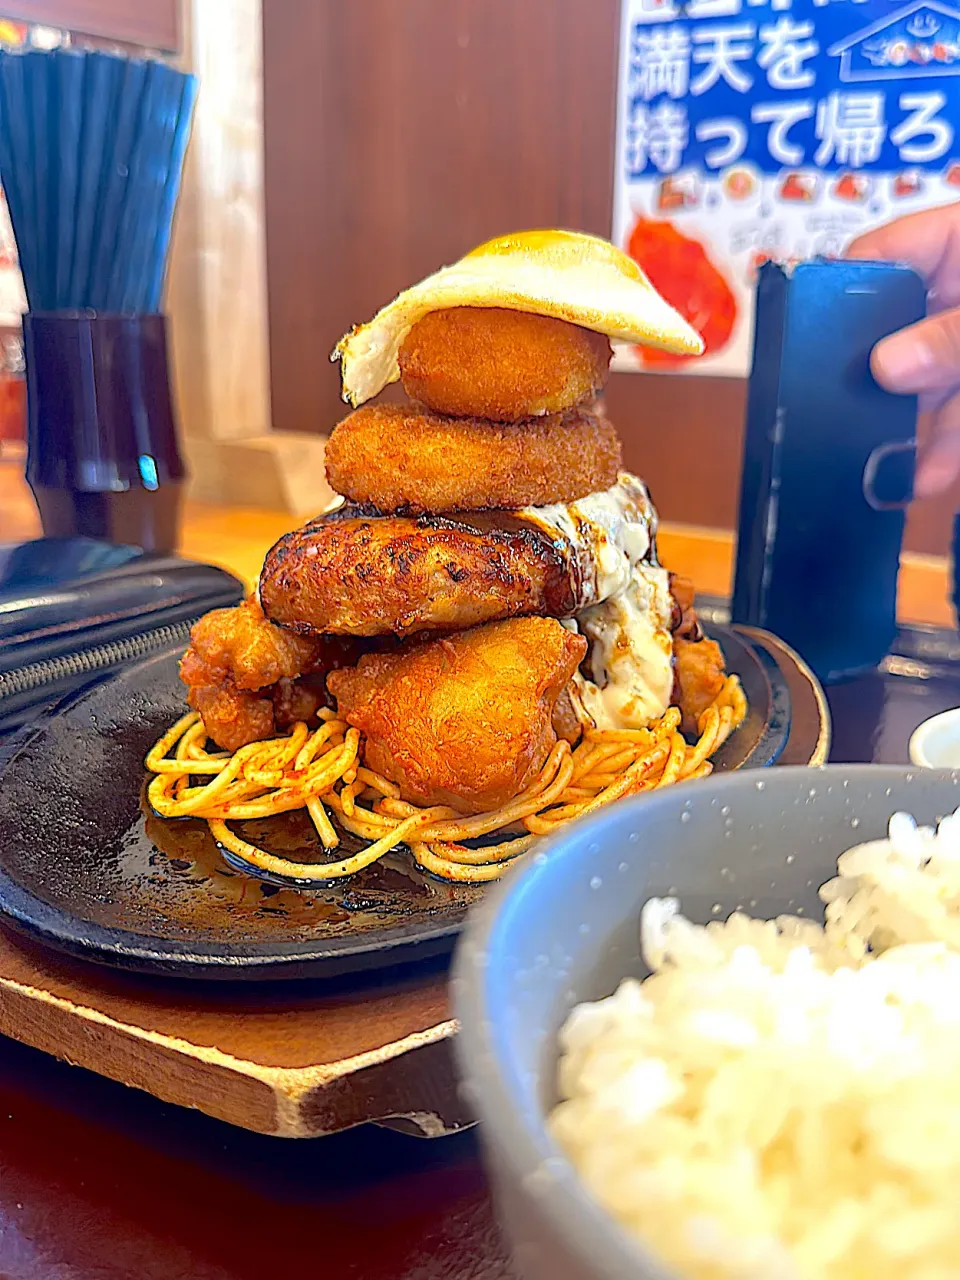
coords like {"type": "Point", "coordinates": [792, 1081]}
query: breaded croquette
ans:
{"type": "Point", "coordinates": [489, 362]}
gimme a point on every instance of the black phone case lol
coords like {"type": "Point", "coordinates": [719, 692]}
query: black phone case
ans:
{"type": "Point", "coordinates": [827, 463]}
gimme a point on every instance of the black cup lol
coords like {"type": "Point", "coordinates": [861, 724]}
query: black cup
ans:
{"type": "Point", "coordinates": [102, 455]}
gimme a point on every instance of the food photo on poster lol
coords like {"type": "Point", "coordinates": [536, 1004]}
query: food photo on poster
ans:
{"type": "Point", "coordinates": [750, 130]}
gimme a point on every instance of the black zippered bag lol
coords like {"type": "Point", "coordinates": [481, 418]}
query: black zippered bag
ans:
{"type": "Point", "coordinates": [75, 608]}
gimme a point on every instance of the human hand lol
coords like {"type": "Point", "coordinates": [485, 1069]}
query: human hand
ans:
{"type": "Point", "coordinates": [924, 359]}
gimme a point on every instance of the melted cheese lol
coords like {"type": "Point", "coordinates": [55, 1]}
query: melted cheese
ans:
{"type": "Point", "coordinates": [626, 606]}
{"type": "Point", "coordinates": [631, 653]}
{"type": "Point", "coordinates": [608, 532]}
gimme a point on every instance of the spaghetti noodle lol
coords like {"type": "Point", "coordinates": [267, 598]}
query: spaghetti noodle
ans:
{"type": "Point", "coordinates": [322, 771]}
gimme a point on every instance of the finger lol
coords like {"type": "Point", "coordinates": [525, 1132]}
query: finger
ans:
{"type": "Point", "coordinates": [939, 463]}
{"type": "Point", "coordinates": [929, 242]}
{"type": "Point", "coordinates": [923, 357]}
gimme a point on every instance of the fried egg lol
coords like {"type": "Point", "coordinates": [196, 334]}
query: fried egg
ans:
{"type": "Point", "coordinates": [564, 274]}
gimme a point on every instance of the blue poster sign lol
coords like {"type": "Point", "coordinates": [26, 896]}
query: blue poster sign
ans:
{"type": "Point", "coordinates": [795, 122]}
{"type": "Point", "coordinates": [868, 85]}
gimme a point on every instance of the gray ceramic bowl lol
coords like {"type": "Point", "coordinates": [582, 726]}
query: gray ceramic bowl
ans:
{"type": "Point", "coordinates": [565, 928]}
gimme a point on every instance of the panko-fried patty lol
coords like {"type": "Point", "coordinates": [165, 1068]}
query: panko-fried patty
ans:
{"type": "Point", "coordinates": [490, 362]}
{"type": "Point", "coordinates": [405, 458]}
{"type": "Point", "coordinates": [466, 720]}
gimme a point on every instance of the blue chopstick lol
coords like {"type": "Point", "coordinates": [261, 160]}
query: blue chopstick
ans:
{"type": "Point", "coordinates": [38, 79]}
{"type": "Point", "coordinates": [148, 172]}
{"type": "Point", "coordinates": [114, 187]}
{"type": "Point", "coordinates": [17, 171]}
{"type": "Point", "coordinates": [102, 79]}
{"type": "Point", "coordinates": [153, 288]}
{"type": "Point", "coordinates": [69, 69]}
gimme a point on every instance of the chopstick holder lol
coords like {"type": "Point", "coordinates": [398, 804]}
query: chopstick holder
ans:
{"type": "Point", "coordinates": [102, 452]}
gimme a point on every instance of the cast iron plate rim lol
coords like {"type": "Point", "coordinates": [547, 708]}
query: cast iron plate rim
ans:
{"type": "Point", "coordinates": [261, 962]}
{"type": "Point", "coordinates": [24, 912]}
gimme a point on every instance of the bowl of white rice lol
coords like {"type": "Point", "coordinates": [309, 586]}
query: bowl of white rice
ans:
{"type": "Point", "coordinates": [714, 1033]}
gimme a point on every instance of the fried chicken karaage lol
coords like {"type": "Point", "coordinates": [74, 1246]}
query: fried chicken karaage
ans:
{"type": "Point", "coordinates": [250, 679]}
{"type": "Point", "coordinates": [465, 721]}
{"type": "Point", "coordinates": [698, 665]}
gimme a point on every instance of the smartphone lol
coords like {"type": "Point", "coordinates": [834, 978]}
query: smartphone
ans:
{"type": "Point", "coordinates": [828, 463]}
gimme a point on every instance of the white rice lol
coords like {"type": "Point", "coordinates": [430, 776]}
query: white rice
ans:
{"type": "Point", "coordinates": [902, 889]}
{"type": "Point", "coordinates": [776, 1101]}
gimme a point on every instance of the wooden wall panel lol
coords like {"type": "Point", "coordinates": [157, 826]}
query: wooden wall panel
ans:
{"type": "Point", "coordinates": [399, 135]}
{"type": "Point", "coordinates": [152, 24]}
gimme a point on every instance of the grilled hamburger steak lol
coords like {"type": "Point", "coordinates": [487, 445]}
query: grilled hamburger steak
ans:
{"type": "Point", "coordinates": [351, 573]}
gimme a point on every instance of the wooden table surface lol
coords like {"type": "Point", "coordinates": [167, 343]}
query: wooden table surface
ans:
{"type": "Point", "coordinates": [98, 1182]}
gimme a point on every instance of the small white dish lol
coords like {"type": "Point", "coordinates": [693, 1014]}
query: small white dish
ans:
{"type": "Point", "coordinates": [935, 744]}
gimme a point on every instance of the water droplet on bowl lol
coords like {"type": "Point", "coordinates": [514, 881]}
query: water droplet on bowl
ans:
{"type": "Point", "coordinates": [761, 785]}
{"type": "Point", "coordinates": [725, 810]}
{"type": "Point", "coordinates": [685, 816]}
{"type": "Point", "coordinates": [812, 792]}
{"type": "Point", "coordinates": [596, 882]}
{"type": "Point", "coordinates": [791, 857]}
{"type": "Point", "coordinates": [584, 930]}
{"type": "Point", "coordinates": [716, 909]}
{"type": "Point", "coordinates": [623, 868]}
{"type": "Point", "coordinates": [634, 837]}
{"type": "Point", "coordinates": [854, 822]}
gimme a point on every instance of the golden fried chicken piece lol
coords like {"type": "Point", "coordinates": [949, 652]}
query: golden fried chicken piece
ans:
{"type": "Point", "coordinates": [244, 643]}
{"type": "Point", "coordinates": [698, 666]}
{"type": "Point", "coordinates": [249, 679]}
{"type": "Point", "coordinates": [567, 722]}
{"type": "Point", "coordinates": [232, 717]}
{"type": "Point", "coordinates": [698, 674]}
{"type": "Point", "coordinates": [491, 362]}
{"type": "Point", "coordinates": [405, 458]}
{"type": "Point", "coordinates": [465, 720]}
{"type": "Point", "coordinates": [685, 621]}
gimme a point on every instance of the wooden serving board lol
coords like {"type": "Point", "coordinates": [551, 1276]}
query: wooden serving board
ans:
{"type": "Point", "coordinates": [295, 1061]}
